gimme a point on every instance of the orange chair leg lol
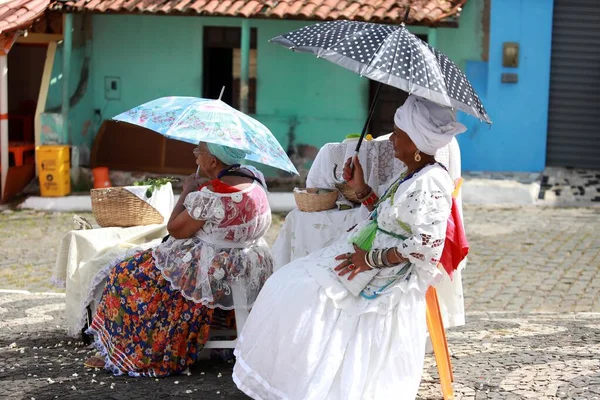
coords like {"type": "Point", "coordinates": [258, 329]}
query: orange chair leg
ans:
{"type": "Point", "coordinates": [440, 345]}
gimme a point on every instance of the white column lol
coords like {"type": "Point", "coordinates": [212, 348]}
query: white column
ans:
{"type": "Point", "coordinates": [3, 120]}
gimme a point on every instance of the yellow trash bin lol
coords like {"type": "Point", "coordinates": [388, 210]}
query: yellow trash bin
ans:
{"type": "Point", "coordinates": [54, 166]}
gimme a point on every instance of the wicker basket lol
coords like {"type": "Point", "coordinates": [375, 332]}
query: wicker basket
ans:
{"type": "Point", "coordinates": [117, 206]}
{"type": "Point", "coordinates": [347, 192]}
{"type": "Point", "coordinates": [310, 201]}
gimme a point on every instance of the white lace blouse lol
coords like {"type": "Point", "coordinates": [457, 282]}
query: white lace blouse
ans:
{"type": "Point", "coordinates": [228, 251]}
{"type": "Point", "coordinates": [418, 211]}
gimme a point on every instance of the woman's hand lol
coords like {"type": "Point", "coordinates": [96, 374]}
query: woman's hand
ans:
{"type": "Point", "coordinates": [191, 183]}
{"type": "Point", "coordinates": [353, 263]}
{"type": "Point", "coordinates": [354, 175]}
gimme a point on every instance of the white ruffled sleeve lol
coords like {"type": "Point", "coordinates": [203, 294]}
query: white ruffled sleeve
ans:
{"type": "Point", "coordinates": [423, 211]}
{"type": "Point", "coordinates": [205, 205]}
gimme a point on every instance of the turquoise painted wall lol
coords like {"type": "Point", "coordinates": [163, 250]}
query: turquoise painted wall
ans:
{"type": "Point", "coordinates": [465, 43]}
{"type": "Point", "coordinates": [326, 103]}
{"type": "Point", "coordinates": [81, 130]}
{"type": "Point", "coordinates": [81, 127]}
{"type": "Point", "coordinates": [157, 56]}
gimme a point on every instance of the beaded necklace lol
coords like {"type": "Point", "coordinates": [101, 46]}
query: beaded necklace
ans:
{"type": "Point", "coordinates": [366, 236]}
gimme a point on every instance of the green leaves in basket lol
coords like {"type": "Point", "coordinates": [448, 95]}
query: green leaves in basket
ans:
{"type": "Point", "coordinates": [154, 184]}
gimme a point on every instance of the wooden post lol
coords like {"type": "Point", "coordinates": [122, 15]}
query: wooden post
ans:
{"type": "Point", "coordinates": [43, 95]}
{"type": "Point", "coordinates": [3, 119]}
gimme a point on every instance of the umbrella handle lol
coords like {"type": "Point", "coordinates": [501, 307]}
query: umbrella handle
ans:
{"type": "Point", "coordinates": [371, 110]}
{"type": "Point", "coordinates": [335, 176]}
{"type": "Point", "coordinates": [335, 167]}
{"type": "Point", "coordinates": [362, 135]}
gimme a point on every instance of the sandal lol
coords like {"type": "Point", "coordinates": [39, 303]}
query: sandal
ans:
{"type": "Point", "coordinates": [95, 362]}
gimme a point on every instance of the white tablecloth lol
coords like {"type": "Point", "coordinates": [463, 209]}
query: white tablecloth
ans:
{"type": "Point", "coordinates": [162, 199]}
{"type": "Point", "coordinates": [86, 257]}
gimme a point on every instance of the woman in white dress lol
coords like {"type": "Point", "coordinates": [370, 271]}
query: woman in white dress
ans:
{"type": "Point", "coordinates": [348, 321]}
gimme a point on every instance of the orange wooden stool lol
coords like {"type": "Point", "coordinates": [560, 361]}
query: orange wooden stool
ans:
{"type": "Point", "coordinates": [437, 334]}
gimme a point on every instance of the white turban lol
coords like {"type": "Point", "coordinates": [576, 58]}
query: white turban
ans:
{"type": "Point", "coordinates": [429, 125]}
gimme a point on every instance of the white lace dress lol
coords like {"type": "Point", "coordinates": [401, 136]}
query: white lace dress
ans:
{"type": "Point", "coordinates": [307, 337]}
{"type": "Point", "coordinates": [228, 251]}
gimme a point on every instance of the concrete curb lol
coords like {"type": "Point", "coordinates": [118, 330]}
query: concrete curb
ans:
{"type": "Point", "coordinates": [280, 202]}
{"type": "Point", "coordinates": [475, 191]}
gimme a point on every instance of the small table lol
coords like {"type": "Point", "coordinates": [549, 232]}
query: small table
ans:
{"type": "Point", "coordinates": [85, 258]}
{"type": "Point", "coordinates": [19, 149]}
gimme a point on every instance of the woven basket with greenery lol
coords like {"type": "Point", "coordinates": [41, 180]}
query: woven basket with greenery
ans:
{"type": "Point", "coordinates": [117, 206]}
{"type": "Point", "coordinates": [314, 199]}
{"type": "Point", "coordinates": [347, 192]}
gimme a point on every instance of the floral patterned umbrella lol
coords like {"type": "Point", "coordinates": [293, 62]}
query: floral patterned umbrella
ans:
{"type": "Point", "coordinates": [193, 120]}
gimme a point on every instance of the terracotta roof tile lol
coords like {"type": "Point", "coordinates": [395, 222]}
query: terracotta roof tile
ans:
{"type": "Point", "coordinates": [89, 5]}
{"type": "Point", "coordinates": [114, 5]}
{"type": "Point", "coordinates": [20, 14]}
{"type": "Point", "coordinates": [181, 5]}
{"type": "Point", "coordinates": [223, 7]}
{"type": "Point", "coordinates": [422, 12]}
{"type": "Point", "coordinates": [322, 12]}
{"type": "Point", "coordinates": [235, 8]}
{"type": "Point", "coordinates": [250, 8]}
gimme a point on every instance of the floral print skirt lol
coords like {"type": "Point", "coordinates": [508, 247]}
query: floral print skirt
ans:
{"type": "Point", "coordinates": [143, 327]}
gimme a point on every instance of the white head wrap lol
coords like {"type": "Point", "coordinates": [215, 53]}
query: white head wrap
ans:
{"type": "Point", "coordinates": [429, 125]}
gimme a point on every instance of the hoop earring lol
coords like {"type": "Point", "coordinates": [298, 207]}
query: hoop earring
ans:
{"type": "Point", "coordinates": [417, 156]}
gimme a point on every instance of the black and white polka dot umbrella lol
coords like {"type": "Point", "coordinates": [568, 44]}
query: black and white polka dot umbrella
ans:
{"type": "Point", "coordinates": [389, 54]}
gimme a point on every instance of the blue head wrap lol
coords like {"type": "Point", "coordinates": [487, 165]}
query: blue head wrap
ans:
{"type": "Point", "coordinates": [227, 155]}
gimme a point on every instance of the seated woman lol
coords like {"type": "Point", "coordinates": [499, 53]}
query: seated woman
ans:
{"type": "Point", "coordinates": [316, 331]}
{"type": "Point", "coordinates": [157, 308]}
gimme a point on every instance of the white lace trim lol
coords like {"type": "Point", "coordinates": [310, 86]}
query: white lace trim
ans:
{"type": "Point", "coordinates": [229, 248]}
{"type": "Point", "coordinates": [394, 216]}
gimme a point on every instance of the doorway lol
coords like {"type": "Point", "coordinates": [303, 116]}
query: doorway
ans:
{"type": "Point", "coordinates": [221, 59]}
{"type": "Point", "coordinates": [573, 137]}
{"type": "Point", "coordinates": [25, 69]}
{"type": "Point", "coordinates": [218, 72]}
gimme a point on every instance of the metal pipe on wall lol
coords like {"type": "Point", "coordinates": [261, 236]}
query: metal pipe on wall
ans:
{"type": "Point", "coordinates": [66, 74]}
{"type": "Point", "coordinates": [245, 67]}
{"type": "Point", "coordinates": [432, 34]}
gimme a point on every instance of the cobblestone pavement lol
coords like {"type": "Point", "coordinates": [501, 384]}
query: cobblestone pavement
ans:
{"type": "Point", "coordinates": [28, 240]}
{"type": "Point", "coordinates": [533, 259]}
{"type": "Point", "coordinates": [531, 293]}
{"type": "Point", "coordinates": [495, 356]}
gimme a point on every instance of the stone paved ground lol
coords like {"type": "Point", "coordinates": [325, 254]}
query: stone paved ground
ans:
{"type": "Point", "coordinates": [532, 297]}
{"type": "Point", "coordinates": [533, 259]}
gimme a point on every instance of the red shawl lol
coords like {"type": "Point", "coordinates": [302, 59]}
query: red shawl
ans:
{"type": "Point", "coordinates": [456, 246]}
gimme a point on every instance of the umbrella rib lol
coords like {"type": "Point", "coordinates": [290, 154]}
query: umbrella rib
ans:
{"type": "Point", "coordinates": [183, 114]}
{"type": "Point", "coordinates": [379, 48]}
{"type": "Point", "coordinates": [340, 41]}
{"type": "Point", "coordinates": [394, 58]}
